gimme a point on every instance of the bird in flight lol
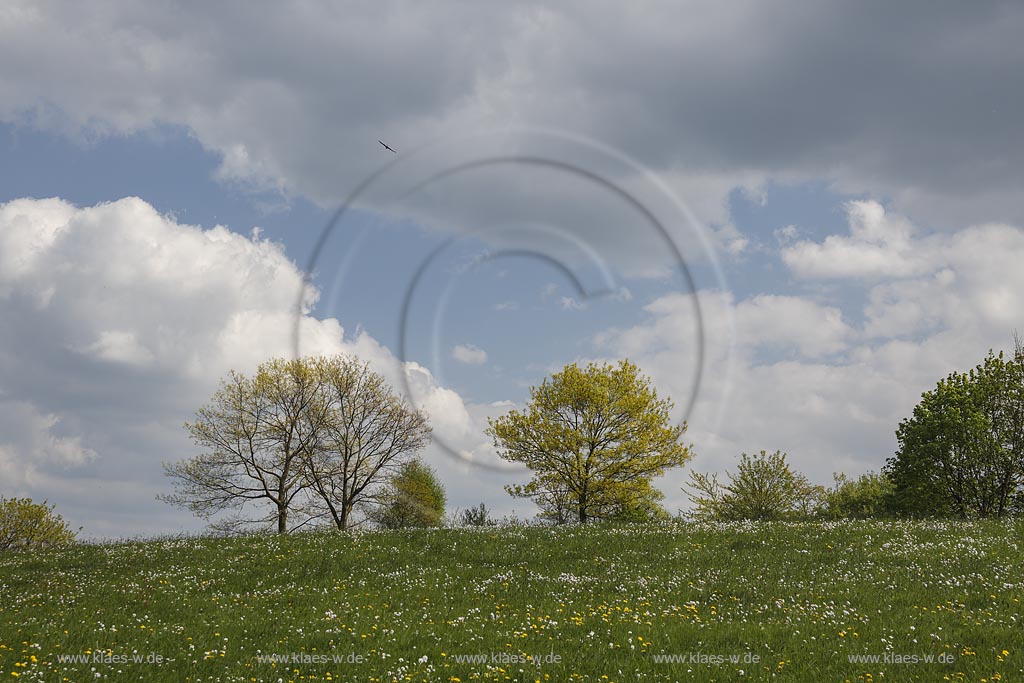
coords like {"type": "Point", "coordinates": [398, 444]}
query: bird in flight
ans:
{"type": "Point", "coordinates": [386, 147]}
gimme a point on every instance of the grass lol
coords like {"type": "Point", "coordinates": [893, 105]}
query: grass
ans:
{"type": "Point", "coordinates": [606, 602]}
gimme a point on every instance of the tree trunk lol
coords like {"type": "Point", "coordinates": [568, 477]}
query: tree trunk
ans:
{"type": "Point", "coordinates": [282, 520]}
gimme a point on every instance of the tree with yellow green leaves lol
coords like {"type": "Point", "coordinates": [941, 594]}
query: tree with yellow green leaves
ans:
{"type": "Point", "coordinates": [25, 525]}
{"type": "Point", "coordinates": [594, 438]}
{"type": "Point", "coordinates": [414, 498]}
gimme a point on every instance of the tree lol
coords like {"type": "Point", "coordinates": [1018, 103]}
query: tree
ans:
{"type": "Point", "coordinates": [644, 506]}
{"type": "Point", "coordinates": [763, 488]}
{"type": "Point", "coordinates": [870, 495]}
{"type": "Point", "coordinates": [257, 433]}
{"type": "Point", "coordinates": [368, 433]}
{"type": "Point", "coordinates": [593, 438]}
{"type": "Point", "coordinates": [962, 450]}
{"type": "Point", "coordinates": [475, 516]}
{"type": "Point", "coordinates": [300, 441]}
{"type": "Point", "coordinates": [413, 498]}
{"type": "Point", "coordinates": [25, 525]}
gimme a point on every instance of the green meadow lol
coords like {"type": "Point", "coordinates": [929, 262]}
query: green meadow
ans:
{"type": "Point", "coordinates": [678, 601]}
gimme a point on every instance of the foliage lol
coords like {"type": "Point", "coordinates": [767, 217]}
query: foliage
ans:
{"type": "Point", "coordinates": [301, 440]}
{"type": "Point", "coordinates": [962, 451]}
{"type": "Point", "coordinates": [413, 498]}
{"type": "Point", "coordinates": [25, 525]}
{"type": "Point", "coordinates": [594, 439]}
{"type": "Point", "coordinates": [869, 495]}
{"type": "Point", "coordinates": [369, 433]}
{"type": "Point", "coordinates": [763, 488]}
{"type": "Point", "coordinates": [644, 506]}
{"type": "Point", "coordinates": [475, 516]}
{"type": "Point", "coordinates": [256, 432]}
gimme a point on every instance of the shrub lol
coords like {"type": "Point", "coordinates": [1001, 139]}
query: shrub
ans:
{"type": "Point", "coordinates": [413, 498]}
{"type": "Point", "coordinates": [870, 495]}
{"type": "Point", "coordinates": [763, 488]}
{"type": "Point", "coordinates": [475, 516]}
{"type": "Point", "coordinates": [25, 525]}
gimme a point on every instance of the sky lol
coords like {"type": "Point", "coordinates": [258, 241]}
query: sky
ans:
{"type": "Point", "coordinates": [793, 218]}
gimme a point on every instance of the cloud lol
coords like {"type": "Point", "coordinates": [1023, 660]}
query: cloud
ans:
{"type": "Point", "coordinates": [839, 94]}
{"type": "Point", "coordinates": [785, 234]}
{"type": "Point", "coordinates": [919, 282]}
{"type": "Point", "coordinates": [828, 375]}
{"type": "Point", "coordinates": [469, 354]}
{"type": "Point", "coordinates": [32, 443]}
{"type": "Point", "coordinates": [568, 303]}
{"type": "Point", "coordinates": [119, 323]}
{"type": "Point", "coordinates": [119, 347]}
{"type": "Point", "coordinates": [622, 294]}
{"type": "Point", "coordinates": [789, 322]}
{"type": "Point", "coordinates": [879, 245]}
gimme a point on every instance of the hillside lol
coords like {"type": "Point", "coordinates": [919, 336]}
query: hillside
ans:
{"type": "Point", "coordinates": [726, 602]}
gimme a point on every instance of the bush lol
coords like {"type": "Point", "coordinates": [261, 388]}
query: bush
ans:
{"type": "Point", "coordinates": [644, 506]}
{"type": "Point", "coordinates": [475, 516]}
{"type": "Point", "coordinates": [25, 525]}
{"type": "Point", "coordinates": [870, 495]}
{"type": "Point", "coordinates": [413, 498]}
{"type": "Point", "coordinates": [763, 488]}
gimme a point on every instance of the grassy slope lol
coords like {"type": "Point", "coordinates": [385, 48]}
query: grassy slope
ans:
{"type": "Point", "coordinates": [801, 597]}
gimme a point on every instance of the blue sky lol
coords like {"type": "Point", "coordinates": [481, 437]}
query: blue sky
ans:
{"type": "Point", "coordinates": [511, 305]}
{"type": "Point", "coordinates": [849, 241]}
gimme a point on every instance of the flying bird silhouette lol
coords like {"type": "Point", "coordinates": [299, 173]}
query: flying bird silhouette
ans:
{"type": "Point", "coordinates": [386, 147]}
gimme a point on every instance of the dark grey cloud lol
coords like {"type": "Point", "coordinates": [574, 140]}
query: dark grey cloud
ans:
{"type": "Point", "coordinates": [914, 101]}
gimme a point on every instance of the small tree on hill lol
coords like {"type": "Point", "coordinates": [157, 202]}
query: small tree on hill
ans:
{"type": "Point", "coordinates": [475, 516]}
{"type": "Point", "coordinates": [414, 497]}
{"type": "Point", "coordinates": [594, 438]}
{"type": "Point", "coordinates": [25, 525]}
{"type": "Point", "coordinates": [763, 488]}
{"type": "Point", "coordinates": [869, 495]}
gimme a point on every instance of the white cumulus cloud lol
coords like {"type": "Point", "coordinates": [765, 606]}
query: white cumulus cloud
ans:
{"type": "Point", "coordinates": [119, 322]}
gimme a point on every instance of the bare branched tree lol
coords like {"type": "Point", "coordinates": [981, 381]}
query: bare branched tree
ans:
{"type": "Point", "coordinates": [256, 432]}
{"type": "Point", "coordinates": [369, 433]}
{"type": "Point", "coordinates": [302, 441]}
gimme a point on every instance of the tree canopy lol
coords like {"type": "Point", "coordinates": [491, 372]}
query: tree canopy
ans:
{"type": "Point", "coordinates": [413, 498]}
{"type": "Point", "coordinates": [301, 440]}
{"type": "Point", "coordinates": [764, 487]}
{"type": "Point", "coordinates": [962, 450]}
{"type": "Point", "coordinates": [594, 438]}
{"type": "Point", "coordinates": [25, 525]}
{"type": "Point", "coordinates": [370, 431]}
